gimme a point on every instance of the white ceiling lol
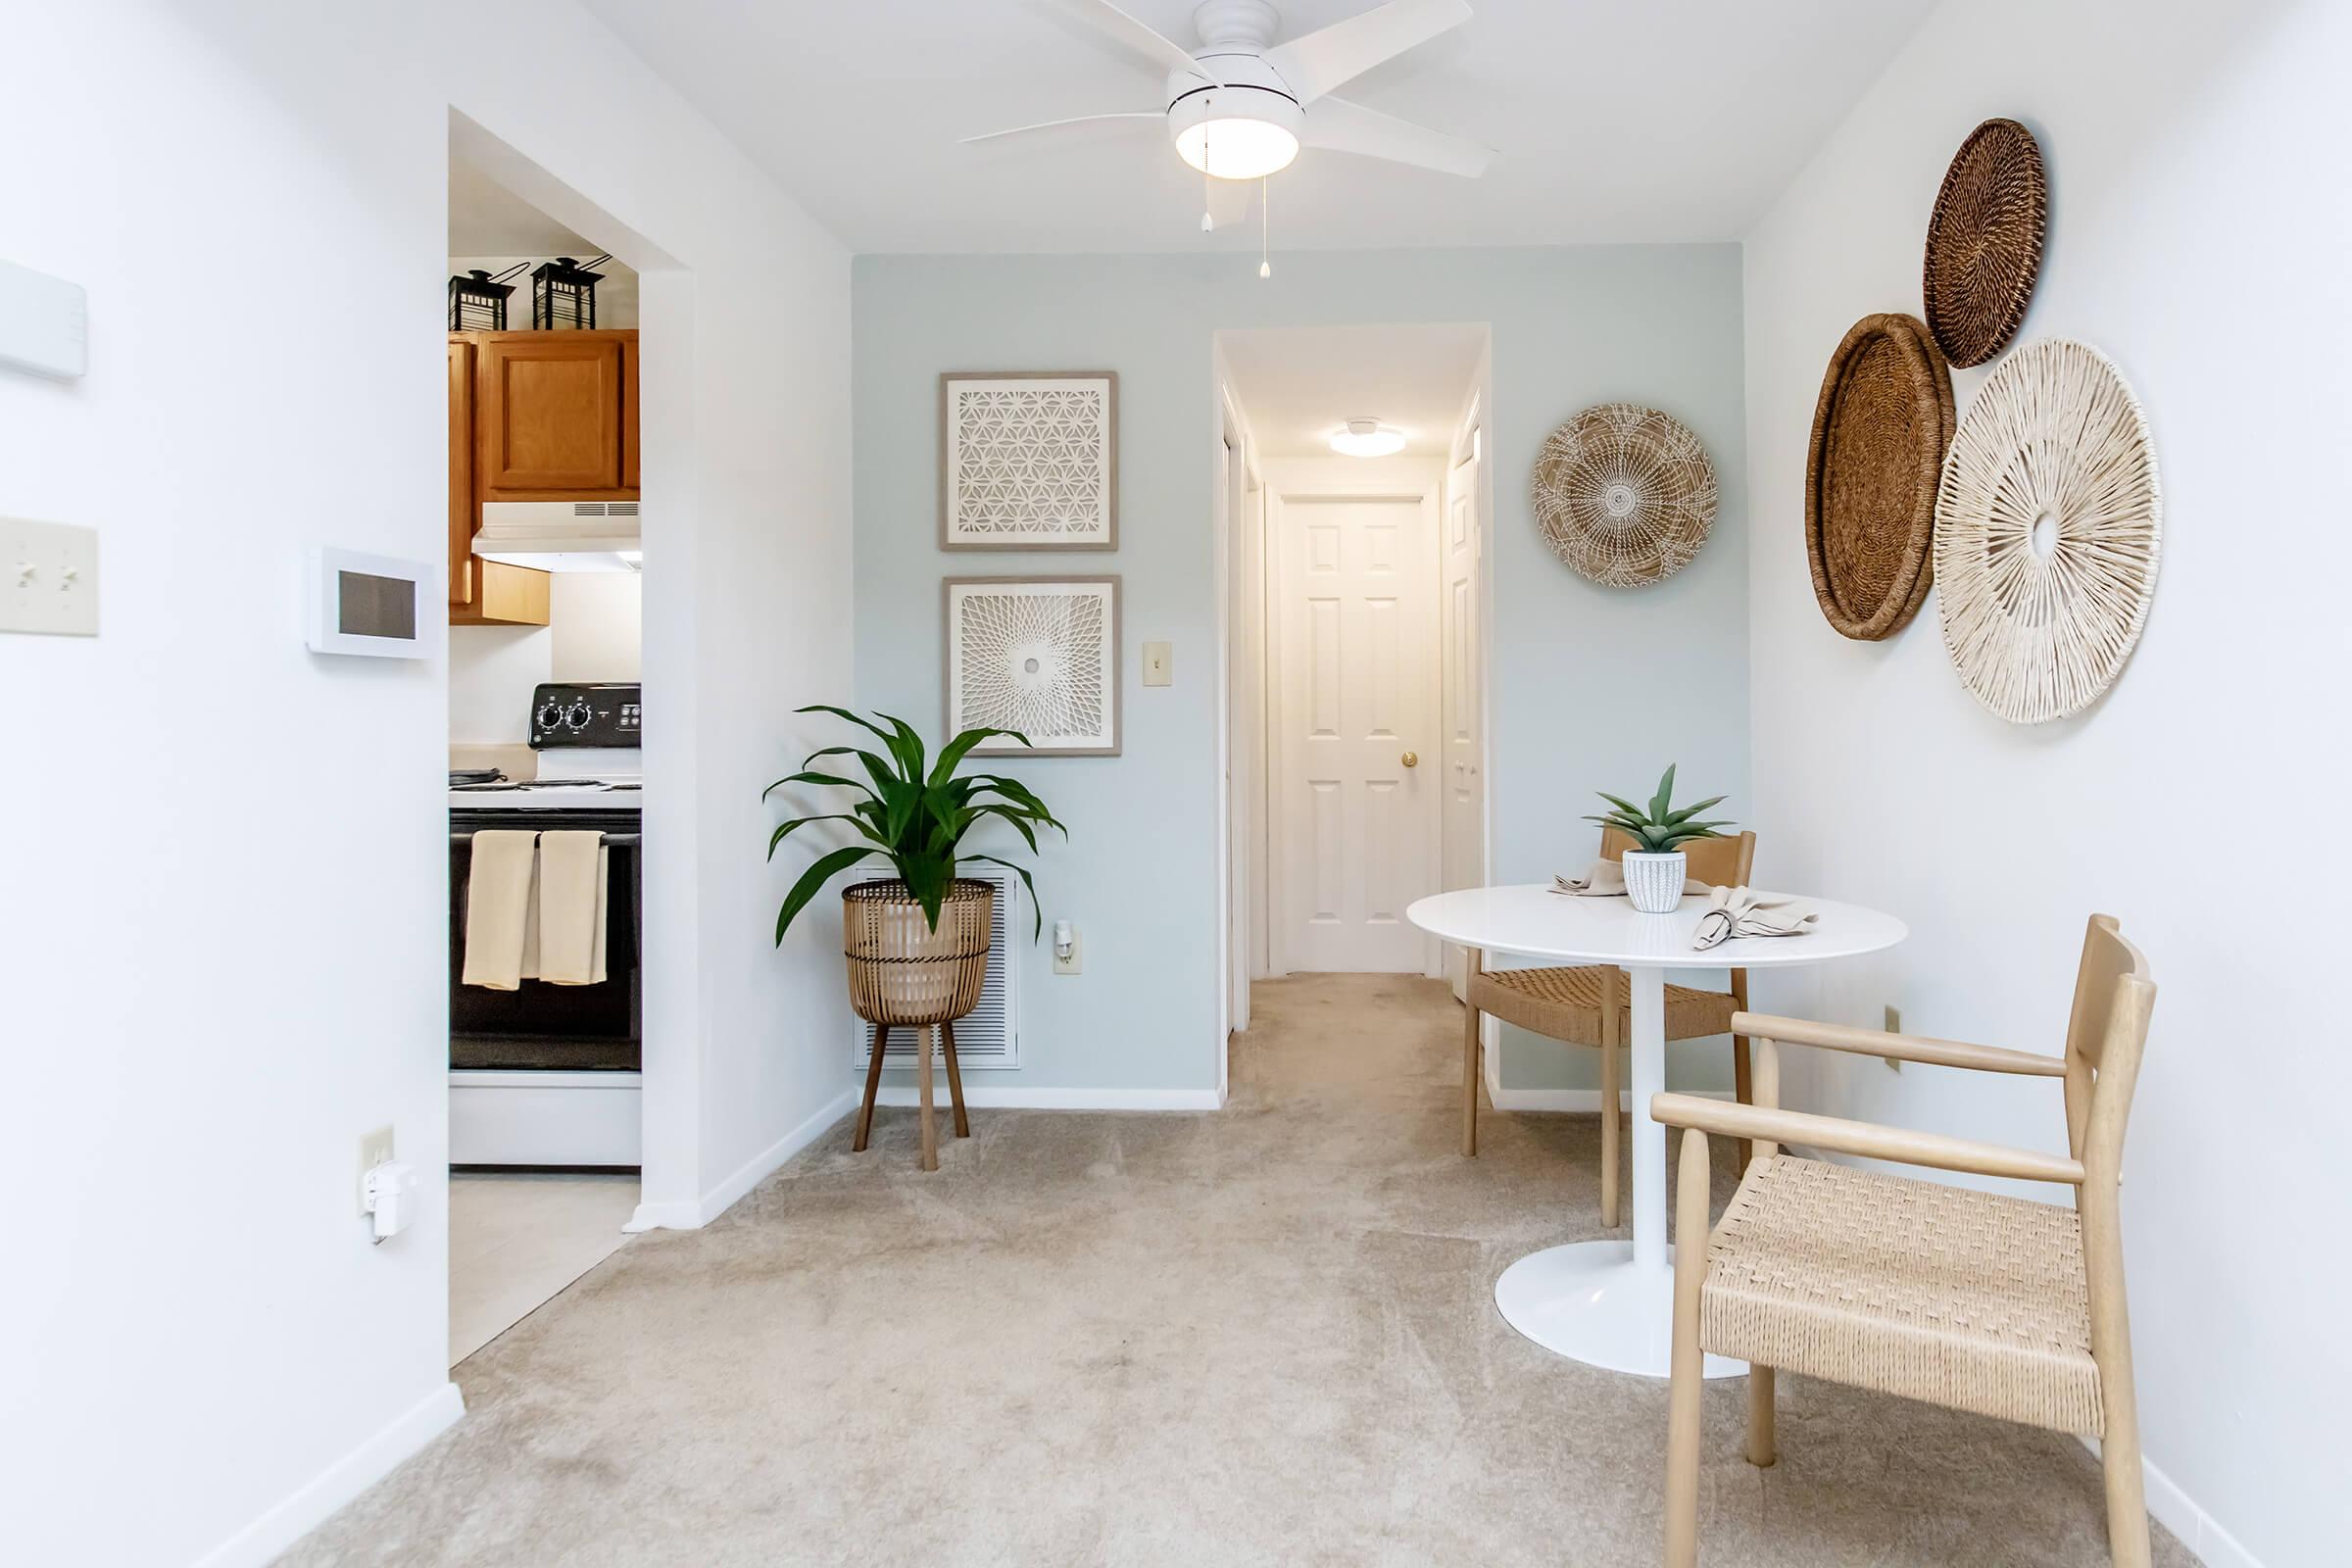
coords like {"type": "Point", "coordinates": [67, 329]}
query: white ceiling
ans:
{"type": "Point", "coordinates": [1615, 120]}
{"type": "Point", "coordinates": [1297, 384]}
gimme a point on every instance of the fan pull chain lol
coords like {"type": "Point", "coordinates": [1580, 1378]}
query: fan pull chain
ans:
{"type": "Point", "coordinates": [1208, 203]}
{"type": "Point", "coordinates": [1265, 228]}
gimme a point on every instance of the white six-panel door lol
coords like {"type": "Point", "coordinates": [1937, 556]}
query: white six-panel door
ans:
{"type": "Point", "coordinates": [1357, 695]}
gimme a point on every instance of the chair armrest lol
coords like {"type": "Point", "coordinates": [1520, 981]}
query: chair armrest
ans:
{"type": "Point", "coordinates": [1734, 1121]}
{"type": "Point", "coordinates": [1908, 1048]}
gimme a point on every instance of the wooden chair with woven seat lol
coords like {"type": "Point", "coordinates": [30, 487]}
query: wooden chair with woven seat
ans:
{"type": "Point", "coordinates": [1587, 1004]}
{"type": "Point", "coordinates": [1974, 1300]}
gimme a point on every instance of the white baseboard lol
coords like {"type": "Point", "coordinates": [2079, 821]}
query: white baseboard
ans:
{"type": "Point", "coordinates": [1586, 1101]}
{"type": "Point", "coordinates": [694, 1214]}
{"type": "Point", "coordinates": [2180, 1513]}
{"type": "Point", "coordinates": [1013, 1097]}
{"type": "Point", "coordinates": [265, 1538]}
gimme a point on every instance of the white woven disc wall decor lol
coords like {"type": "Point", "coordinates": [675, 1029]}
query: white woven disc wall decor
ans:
{"type": "Point", "coordinates": [1029, 460]}
{"type": "Point", "coordinates": [1624, 494]}
{"type": "Point", "coordinates": [2048, 526]}
{"type": "Point", "coordinates": [1038, 655]}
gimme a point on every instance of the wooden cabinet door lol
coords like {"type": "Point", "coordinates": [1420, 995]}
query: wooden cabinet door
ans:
{"type": "Point", "coordinates": [550, 413]}
{"type": "Point", "coordinates": [461, 508]}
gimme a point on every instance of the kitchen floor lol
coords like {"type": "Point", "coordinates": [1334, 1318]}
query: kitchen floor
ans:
{"type": "Point", "coordinates": [517, 1239]}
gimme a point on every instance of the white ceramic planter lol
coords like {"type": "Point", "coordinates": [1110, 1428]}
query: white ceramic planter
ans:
{"type": "Point", "coordinates": [1655, 882]}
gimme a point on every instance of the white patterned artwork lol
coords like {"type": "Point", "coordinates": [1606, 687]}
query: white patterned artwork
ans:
{"type": "Point", "coordinates": [1029, 460]}
{"type": "Point", "coordinates": [1038, 655]}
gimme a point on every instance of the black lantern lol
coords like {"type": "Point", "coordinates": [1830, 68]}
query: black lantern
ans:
{"type": "Point", "coordinates": [563, 293]}
{"type": "Point", "coordinates": [478, 302]}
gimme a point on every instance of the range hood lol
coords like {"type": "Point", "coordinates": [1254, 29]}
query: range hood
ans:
{"type": "Point", "coordinates": [560, 535]}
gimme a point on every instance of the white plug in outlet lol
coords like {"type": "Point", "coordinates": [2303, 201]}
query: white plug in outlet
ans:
{"type": "Point", "coordinates": [1894, 1026]}
{"type": "Point", "coordinates": [376, 1148]}
{"type": "Point", "coordinates": [1068, 956]}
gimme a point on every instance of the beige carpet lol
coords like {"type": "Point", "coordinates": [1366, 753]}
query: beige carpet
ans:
{"type": "Point", "coordinates": [1258, 1336]}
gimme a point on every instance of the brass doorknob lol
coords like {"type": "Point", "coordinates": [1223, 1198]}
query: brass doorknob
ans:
{"type": "Point", "coordinates": [1412, 758]}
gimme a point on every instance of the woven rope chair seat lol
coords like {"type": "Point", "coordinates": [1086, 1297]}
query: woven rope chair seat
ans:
{"type": "Point", "coordinates": [1564, 1003]}
{"type": "Point", "coordinates": [1968, 1300]}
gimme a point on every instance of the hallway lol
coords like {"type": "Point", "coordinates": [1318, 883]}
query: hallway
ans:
{"type": "Point", "coordinates": [1256, 1336]}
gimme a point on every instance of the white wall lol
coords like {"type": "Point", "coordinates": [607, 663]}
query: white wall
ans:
{"type": "Point", "coordinates": [221, 922]}
{"type": "Point", "coordinates": [1571, 327]}
{"type": "Point", "coordinates": [2199, 234]}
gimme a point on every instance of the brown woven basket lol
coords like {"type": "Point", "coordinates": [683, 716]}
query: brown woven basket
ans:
{"type": "Point", "coordinates": [1880, 430]}
{"type": "Point", "coordinates": [903, 970]}
{"type": "Point", "coordinates": [1984, 242]}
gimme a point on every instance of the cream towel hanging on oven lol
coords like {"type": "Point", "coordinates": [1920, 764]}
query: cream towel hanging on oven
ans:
{"type": "Point", "coordinates": [499, 894]}
{"type": "Point", "coordinates": [567, 948]}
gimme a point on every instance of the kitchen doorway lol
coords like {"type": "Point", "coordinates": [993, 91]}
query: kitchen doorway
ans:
{"type": "Point", "coordinates": [547, 707]}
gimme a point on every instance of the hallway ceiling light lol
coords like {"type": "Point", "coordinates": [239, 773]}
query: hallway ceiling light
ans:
{"type": "Point", "coordinates": [1367, 438]}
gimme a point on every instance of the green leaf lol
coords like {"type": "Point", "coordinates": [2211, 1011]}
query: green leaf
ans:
{"type": "Point", "coordinates": [1690, 812]}
{"type": "Point", "coordinates": [812, 882]}
{"type": "Point", "coordinates": [1664, 799]}
{"type": "Point", "coordinates": [1621, 803]}
{"type": "Point", "coordinates": [953, 753]}
{"type": "Point", "coordinates": [785, 831]}
{"type": "Point", "coordinates": [814, 778]}
{"type": "Point", "coordinates": [906, 748]}
{"type": "Point", "coordinates": [1037, 915]}
{"type": "Point", "coordinates": [843, 713]}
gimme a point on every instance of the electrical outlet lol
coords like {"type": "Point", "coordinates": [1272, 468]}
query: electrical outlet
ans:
{"type": "Point", "coordinates": [1894, 1026]}
{"type": "Point", "coordinates": [376, 1148]}
{"type": "Point", "coordinates": [1075, 963]}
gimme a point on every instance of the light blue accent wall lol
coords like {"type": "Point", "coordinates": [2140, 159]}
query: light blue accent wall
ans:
{"type": "Point", "coordinates": [1591, 687]}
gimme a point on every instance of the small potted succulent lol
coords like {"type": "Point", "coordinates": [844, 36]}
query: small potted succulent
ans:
{"type": "Point", "coordinates": [1654, 862]}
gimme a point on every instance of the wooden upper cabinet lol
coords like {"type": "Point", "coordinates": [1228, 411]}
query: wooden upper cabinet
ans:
{"type": "Point", "coordinates": [556, 415]}
{"type": "Point", "coordinates": [463, 507]}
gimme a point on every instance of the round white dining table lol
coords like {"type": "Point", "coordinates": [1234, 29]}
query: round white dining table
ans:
{"type": "Point", "coordinates": [1610, 1303]}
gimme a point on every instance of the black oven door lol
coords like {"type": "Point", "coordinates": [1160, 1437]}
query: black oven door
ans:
{"type": "Point", "coordinates": [596, 1028]}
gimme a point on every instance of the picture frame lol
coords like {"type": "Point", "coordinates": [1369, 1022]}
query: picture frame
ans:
{"type": "Point", "coordinates": [1029, 459]}
{"type": "Point", "coordinates": [1038, 655]}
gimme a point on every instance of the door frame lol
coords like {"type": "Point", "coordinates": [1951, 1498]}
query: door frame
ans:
{"type": "Point", "coordinates": [1374, 487]}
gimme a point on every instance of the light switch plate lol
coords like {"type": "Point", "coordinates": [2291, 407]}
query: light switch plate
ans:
{"type": "Point", "coordinates": [48, 578]}
{"type": "Point", "coordinates": [1160, 665]}
{"type": "Point", "coordinates": [1075, 963]}
{"type": "Point", "coordinates": [44, 323]}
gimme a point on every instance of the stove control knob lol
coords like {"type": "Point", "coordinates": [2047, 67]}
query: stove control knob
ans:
{"type": "Point", "coordinates": [577, 716]}
{"type": "Point", "coordinates": [550, 714]}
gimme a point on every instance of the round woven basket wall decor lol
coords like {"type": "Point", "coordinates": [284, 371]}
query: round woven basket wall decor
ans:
{"type": "Point", "coordinates": [1984, 242]}
{"type": "Point", "coordinates": [2048, 526]}
{"type": "Point", "coordinates": [1880, 430]}
{"type": "Point", "coordinates": [1624, 494]}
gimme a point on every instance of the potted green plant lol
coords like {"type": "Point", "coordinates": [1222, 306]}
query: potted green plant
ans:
{"type": "Point", "coordinates": [917, 941]}
{"type": "Point", "coordinates": [1655, 866]}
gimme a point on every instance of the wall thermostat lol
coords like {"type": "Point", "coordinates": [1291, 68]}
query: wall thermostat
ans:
{"type": "Point", "coordinates": [44, 323]}
{"type": "Point", "coordinates": [372, 606]}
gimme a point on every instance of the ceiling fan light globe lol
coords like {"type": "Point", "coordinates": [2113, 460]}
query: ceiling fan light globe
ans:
{"type": "Point", "coordinates": [1237, 147]}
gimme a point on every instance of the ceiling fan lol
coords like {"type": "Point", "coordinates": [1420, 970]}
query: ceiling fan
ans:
{"type": "Point", "coordinates": [1240, 106]}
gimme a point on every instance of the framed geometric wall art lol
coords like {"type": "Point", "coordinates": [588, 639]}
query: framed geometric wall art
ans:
{"type": "Point", "coordinates": [1038, 655]}
{"type": "Point", "coordinates": [1029, 459]}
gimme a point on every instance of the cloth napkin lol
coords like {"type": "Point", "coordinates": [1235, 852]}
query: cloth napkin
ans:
{"type": "Point", "coordinates": [1739, 912]}
{"type": "Point", "coordinates": [1606, 880]}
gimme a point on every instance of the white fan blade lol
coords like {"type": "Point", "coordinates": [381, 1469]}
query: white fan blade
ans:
{"type": "Point", "coordinates": [1349, 128]}
{"type": "Point", "coordinates": [1163, 51]}
{"type": "Point", "coordinates": [1056, 125]}
{"type": "Point", "coordinates": [1316, 64]}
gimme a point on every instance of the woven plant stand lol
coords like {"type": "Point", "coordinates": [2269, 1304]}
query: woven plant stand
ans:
{"type": "Point", "coordinates": [907, 975]}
